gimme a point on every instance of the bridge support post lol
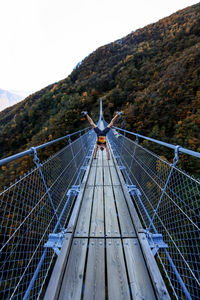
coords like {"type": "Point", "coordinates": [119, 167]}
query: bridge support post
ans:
{"type": "Point", "coordinates": [176, 158]}
{"type": "Point", "coordinates": [188, 297]}
{"type": "Point", "coordinates": [37, 162]}
{"type": "Point", "coordinates": [26, 296]}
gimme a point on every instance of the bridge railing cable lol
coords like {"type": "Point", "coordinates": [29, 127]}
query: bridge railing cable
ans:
{"type": "Point", "coordinates": [168, 202]}
{"type": "Point", "coordinates": [37, 204]}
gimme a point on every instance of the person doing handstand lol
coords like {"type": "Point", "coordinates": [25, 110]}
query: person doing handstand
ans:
{"type": "Point", "coordinates": [101, 134]}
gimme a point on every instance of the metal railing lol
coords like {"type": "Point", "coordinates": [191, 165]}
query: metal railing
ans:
{"type": "Point", "coordinates": [36, 205]}
{"type": "Point", "coordinates": [168, 202]}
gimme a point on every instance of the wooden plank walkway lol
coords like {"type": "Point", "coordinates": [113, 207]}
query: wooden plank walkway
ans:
{"type": "Point", "coordinates": [105, 260]}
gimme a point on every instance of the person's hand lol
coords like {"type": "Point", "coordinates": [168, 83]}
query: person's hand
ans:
{"type": "Point", "coordinates": [119, 113]}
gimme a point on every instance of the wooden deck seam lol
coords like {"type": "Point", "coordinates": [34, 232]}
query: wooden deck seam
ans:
{"type": "Point", "coordinates": [104, 237]}
{"type": "Point", "coordinates": [119, 225]}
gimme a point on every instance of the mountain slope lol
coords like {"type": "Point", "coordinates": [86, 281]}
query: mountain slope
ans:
{"type": "Point", "coordinates": [152, 74]}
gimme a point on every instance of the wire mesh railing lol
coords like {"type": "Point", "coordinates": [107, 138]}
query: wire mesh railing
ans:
{"type": "Point", "coordinates": [168, 202]}
{"type": "Point", "coordinates": [34, 206]}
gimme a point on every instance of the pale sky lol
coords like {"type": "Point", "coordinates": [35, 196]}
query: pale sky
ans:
{"type": "Point", "coordinates": [43, 40]}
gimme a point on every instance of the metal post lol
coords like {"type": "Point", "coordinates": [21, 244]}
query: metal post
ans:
{"type": "Point", "coordinates": [37, 162]}
{"type": "Point", "coordinates": [148, 217]}
{"type": "Point", "coordinates": [178, 276]}
{"type": "Point", "coordinates": [176, 158]}
{"type": "Point", "coordinates": [26, 296]}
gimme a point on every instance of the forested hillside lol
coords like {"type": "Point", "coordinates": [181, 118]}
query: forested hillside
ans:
{"type": "Point", "coordinates": [153, 75]}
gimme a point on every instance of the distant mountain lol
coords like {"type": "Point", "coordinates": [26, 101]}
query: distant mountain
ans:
{"type": "Point", "coordinates": [153, 75]}
{"type": "Point", "coordinates": [9, 98]}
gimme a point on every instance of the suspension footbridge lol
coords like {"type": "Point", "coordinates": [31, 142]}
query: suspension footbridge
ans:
{"type": "Point", "coordinates": [75, 227]}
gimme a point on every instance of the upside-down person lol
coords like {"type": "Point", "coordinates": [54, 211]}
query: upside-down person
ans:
{"type": "Point", "coordinates": [101, 134]}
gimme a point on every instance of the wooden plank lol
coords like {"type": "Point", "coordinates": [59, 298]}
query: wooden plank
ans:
{"type": "Point", "coordinates": [105, 158]}
{"type": "Point", "coordinates": [73, 278]}
{"type": "Point", "coordinates": [83, 223]}
{"type": "Point", "coordinates": [99, 158]}
{"type": "Point", "coordinates": [116, 272]}
{"type": "Point", "coordinates": [74, 215]}
{"type": "Point", "coordinates": [133, 212]}
{"type": "Point", "coordinates": [126, 224]}
{"type": "Point", "coordinates": [110, 162]}
{"type": "Point", "coordinates": [134, 215]}
{"type": "Point", "coordinates": [58, 271]}
{"type": "Point", "coordinates": [112, 228]}
{"type": "Point", "coordinates": [99, 175]}
{"type": "Point", "coordinates": [114, 176]}
{"type": "Point", "coordinates": [85, 178]}
{"type": "Point", "coordinates": [95, 272]}
{"type": "Point", "coordinates": [94, 162]}
{"type": "Point", "coordinates": [156, 278]}
{"type": "Point", "coordinates": [106, 176]}
{"type": "Point", "coordinates": [140, 283]}
{"type": "Point", "coordinates": [91, 177]}
{"type": "Point", "coordinates": [97, 220]}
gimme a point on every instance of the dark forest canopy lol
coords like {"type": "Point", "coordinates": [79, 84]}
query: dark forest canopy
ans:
{"type": "Point", "coordinates": [153, 75]}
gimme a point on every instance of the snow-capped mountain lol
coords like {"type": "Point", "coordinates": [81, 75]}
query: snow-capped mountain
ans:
{"type": "Point", "coordinates": [8, 98]}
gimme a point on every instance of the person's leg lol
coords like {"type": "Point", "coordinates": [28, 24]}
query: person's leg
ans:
{"type": "Point", "coordinates": [108, 152]}
{"type": "Point", "coordinates": [95, 152]}
{"type": "Point", "coordinates": [113, 120]}
{"type": "Point", "coordinates": [91, 121]}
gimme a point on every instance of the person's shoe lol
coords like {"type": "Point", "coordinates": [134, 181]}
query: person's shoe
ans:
{"type": "Point", "coordinates": [84, 113]}
{"type": "Point", "coordinates": [119, 113]}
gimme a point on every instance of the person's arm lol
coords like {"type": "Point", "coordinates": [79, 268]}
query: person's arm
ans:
{"type": "Point", "coordinates": [113, 120]}
{"type": "Point", "coordinates": [89, 119]}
